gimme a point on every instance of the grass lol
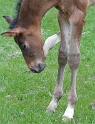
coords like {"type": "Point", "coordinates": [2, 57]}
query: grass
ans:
{"type": "Point", "coordinates": [24, 96]}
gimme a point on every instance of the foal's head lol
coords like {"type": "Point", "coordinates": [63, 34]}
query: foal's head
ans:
{"type": "Point", "coordinates": [30, 44]}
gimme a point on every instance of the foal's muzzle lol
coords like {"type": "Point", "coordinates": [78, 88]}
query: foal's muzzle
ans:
{"type": "Point", "coordinates": [37, 69]}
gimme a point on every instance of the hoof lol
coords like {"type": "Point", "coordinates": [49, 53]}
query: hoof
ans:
{"type": "Point", "coordinates": [52, 107]}
{"type": "Point", "coordinates": [50, 110]}
{"type": "Point", "coordinates": [93, 105]}
{"type": "Point", "coordinates": [65, 118]}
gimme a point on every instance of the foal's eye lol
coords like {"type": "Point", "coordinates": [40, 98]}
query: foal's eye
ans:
{"type": "Point", "coordinates": [23, 46]}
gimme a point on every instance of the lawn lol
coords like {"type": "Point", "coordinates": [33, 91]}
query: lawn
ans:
{"type": "Point", "coordinates": [24, 96]}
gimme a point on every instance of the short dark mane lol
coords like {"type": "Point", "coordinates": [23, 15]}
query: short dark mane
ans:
{"type": "Point", "coordinates": [17, 10]}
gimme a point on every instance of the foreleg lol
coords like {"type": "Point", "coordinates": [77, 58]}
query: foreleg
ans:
{"type": "Point", "coordinates": [76, 23]}
{"type": "Point", "coordinates": [62, 61]}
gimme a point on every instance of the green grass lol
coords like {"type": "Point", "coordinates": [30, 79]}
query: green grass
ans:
{"type": "Point", "coordinates": [24, 96]}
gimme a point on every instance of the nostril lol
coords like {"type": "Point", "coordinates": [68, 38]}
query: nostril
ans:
{"type": "Point", "coordinates": [33, 70]}
{"type": "Point", "coordinates": [37, 69]}
{"type": "Point", "coordinates": [41, 66]}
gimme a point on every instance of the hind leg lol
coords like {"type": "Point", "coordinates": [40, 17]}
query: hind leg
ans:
{"type": "Point", "coordinates": [51, 42]}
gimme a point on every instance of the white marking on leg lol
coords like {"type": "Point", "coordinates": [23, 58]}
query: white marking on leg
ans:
{"type": "Point", "coordinates": [69, 112]}
{"type": "Point", "coordinates": [52, 106]}
{"type": "Point", "coordinates": [57, 94]}
{"type": "Point", "coordinates": [51, 42]}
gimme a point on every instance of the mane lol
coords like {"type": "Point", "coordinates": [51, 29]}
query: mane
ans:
{"type": "Point", "coordinates": [17, 11]}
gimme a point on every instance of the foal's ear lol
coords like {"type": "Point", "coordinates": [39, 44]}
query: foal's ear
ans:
{"type": "Point", "coordinates": [14, 32]}
{"type": "Point", "coordinates": [8, 19]}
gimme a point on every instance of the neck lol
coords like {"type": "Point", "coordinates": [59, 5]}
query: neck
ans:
{"type": "Point", "coordinates": [32, 12]}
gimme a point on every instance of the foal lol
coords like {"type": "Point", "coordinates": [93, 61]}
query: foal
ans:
{"type": "Point", "coordinates": [26, 30]}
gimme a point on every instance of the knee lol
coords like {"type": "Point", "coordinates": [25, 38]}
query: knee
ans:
{"type": "Point", "coordinates": [62, 57]}
{"type": "Point", "coordinates": [74, 60]}
{"type": "Point", "coordinates": [74, 56]}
